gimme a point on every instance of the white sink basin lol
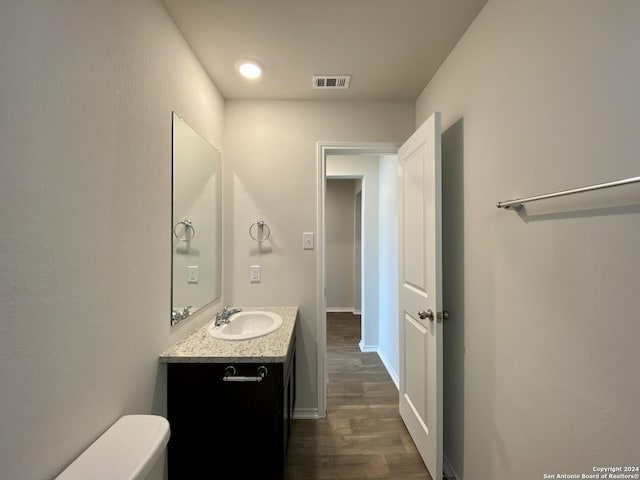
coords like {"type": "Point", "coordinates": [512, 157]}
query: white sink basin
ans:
{"type": "Point", "coordinates": [246, 325]}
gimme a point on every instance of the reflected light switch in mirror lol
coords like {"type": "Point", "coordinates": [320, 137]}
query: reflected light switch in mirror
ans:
{"type": "Point", "coordinates": [192, 274]}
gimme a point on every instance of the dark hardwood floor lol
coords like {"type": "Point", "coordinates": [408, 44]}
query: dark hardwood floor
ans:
{"type": "Point", "coordinates": [362, 435]}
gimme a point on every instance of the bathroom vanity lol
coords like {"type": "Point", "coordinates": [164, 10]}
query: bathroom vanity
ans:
{"type": "Point", "coordinates": [230, 403]}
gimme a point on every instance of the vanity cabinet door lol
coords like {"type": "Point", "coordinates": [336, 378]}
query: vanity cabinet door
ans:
{"type": "Point", "coordinates": [225, 429]}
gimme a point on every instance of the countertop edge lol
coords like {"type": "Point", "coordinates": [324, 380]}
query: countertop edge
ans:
{"type": "Point", "coordinates": [210, 359]}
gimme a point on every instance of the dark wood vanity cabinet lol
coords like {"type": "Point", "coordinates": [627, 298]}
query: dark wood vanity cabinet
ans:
{"type": "Point", "coordinates": [230, 429]}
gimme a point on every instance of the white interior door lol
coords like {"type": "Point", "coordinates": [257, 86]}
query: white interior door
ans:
{"type": "Point", "coordinates": [420, 295]}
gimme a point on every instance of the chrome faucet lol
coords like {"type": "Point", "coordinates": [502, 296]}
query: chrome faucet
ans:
{"type": "Point", "coordinates": [223, 316]}
{"type": "Point", "coordinates": [177, 315]}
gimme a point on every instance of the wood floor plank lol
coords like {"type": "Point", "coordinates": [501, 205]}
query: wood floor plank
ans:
{"type": "Point", "coordinates": [363, 436]}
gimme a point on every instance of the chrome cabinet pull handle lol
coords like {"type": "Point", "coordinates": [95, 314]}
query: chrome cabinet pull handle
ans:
{"type": "Point", "coordinates": [230, 372]}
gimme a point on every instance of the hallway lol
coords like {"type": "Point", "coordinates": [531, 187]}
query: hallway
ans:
{"type": "Point", "coordinates": [362, 436]}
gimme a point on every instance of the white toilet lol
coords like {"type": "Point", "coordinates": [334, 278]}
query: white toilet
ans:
{"type": "Point", "coordinates": [128, 450]}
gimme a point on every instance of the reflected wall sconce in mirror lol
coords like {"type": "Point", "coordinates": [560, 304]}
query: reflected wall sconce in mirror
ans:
{"type": "Point", "coordinates": [186, 232]}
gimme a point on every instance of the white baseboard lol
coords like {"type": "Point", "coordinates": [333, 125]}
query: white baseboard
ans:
{"type": "Point", "coordinates": [357, 311]}
{"type": "Point", "coordinates": [387, 364]}
{"type": "Point", "coordinates": [447, 470]}
{"type": "Point", "coordinates": [367, 348]}
{"type": "Point", "coordinates": [340, 310]}
{"type": "Point", "coordinates": [305, 414]}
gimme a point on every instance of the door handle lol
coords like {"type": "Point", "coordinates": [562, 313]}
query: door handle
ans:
{"type": "Point", "coordinates": [444, 315]}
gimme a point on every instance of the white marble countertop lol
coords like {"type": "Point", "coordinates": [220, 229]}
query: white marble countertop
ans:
{"type": "Point", "coordinates": [200, 347]}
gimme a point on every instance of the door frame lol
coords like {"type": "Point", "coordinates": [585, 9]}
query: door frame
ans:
{"type": "Point", "coordinates": [324, 149]}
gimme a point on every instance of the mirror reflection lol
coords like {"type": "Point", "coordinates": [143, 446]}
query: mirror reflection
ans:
{"type": "Point", "coordinates": [197, 223]}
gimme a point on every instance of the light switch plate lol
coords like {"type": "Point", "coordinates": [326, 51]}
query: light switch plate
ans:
{"type": "Point", "coordinates": [254, 273]}
{"type": "Point", "coordinates": [192, 274]}
{"type": "Point", "coordinates": [307, 240]}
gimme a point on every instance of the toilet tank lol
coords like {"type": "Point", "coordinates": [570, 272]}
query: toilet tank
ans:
{"type": "Point", "coordinates": [128, 450]}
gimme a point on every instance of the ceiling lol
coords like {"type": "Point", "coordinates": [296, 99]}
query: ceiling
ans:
{"type": "Point", "coordinates": [391, 48]}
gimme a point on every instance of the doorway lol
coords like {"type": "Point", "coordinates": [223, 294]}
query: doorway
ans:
{"type": "Point", "coordinates": [342, 244]}
{"type": "Point", "coordinates": [350, 156]}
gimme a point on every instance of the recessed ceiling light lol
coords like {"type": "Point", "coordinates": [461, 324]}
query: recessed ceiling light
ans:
{"type": "Point", "coordinates": [249, 68]}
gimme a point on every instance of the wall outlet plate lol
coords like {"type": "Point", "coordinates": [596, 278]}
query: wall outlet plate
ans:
{"type": "Point", "coordinates": [255, 273]}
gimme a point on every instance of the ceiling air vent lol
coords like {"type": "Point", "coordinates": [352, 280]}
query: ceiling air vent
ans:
{"type": "Point", "coordinates": [331, 82]}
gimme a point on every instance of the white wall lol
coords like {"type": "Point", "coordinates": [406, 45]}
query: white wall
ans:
{"type": "Point", "coordinates": [271, 172]}
{"type": "Point", "coordinates": [85, 187]}
{"type": "Point", "coordinates": [388, 342]}
{"type": "Point", "coordinates": [541, 359]}
{"type": "Point", "coordinates": [340, 245]}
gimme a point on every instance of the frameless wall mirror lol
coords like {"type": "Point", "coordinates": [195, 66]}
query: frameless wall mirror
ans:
{"type": "Point", "coordinates": [197, 224]}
